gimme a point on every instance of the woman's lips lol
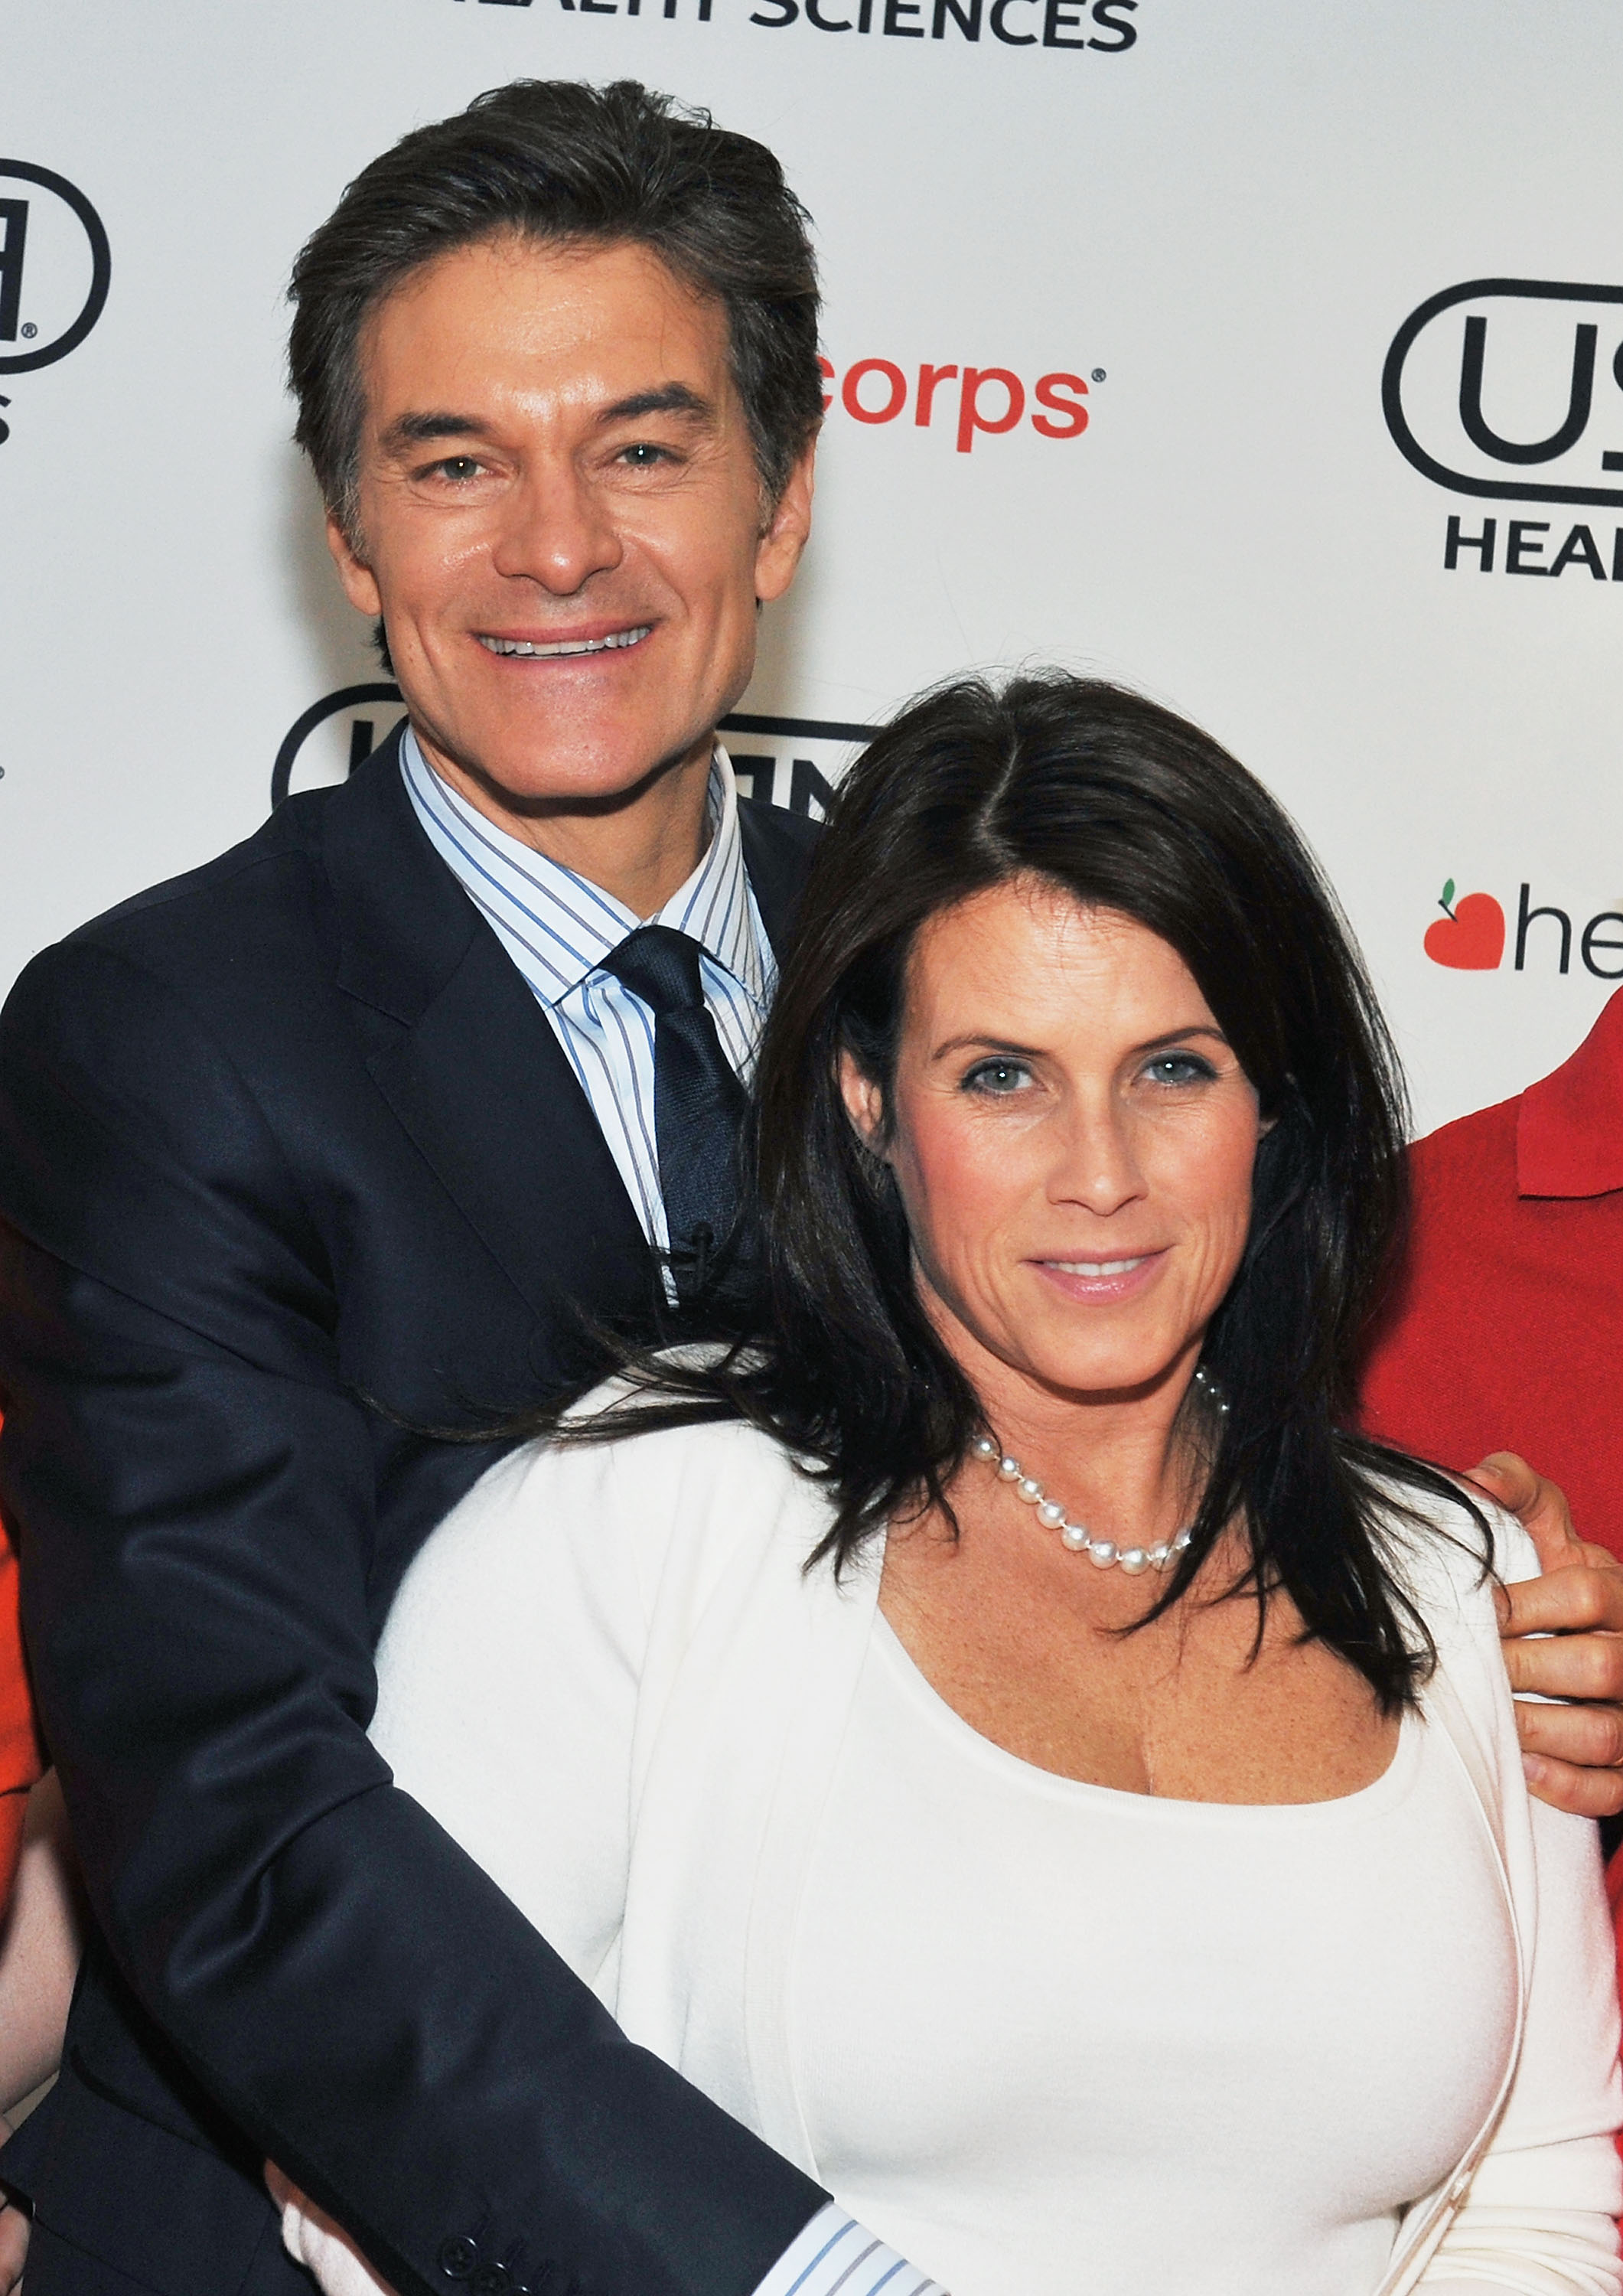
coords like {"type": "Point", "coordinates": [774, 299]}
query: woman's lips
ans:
{"type": "Point", "coordinates": [1094, 1279]}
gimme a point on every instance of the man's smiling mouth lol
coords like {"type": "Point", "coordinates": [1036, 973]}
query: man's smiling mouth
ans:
{"type": "Point", "coordinates": [616, 641]}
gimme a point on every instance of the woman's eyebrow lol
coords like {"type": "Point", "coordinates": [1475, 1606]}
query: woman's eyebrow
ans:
{"type": "Point", "coordinates": [1181, 1036]}
{"type": "Point", "coordinates": [1010, 1049]}
{"type": "Point", "coordinates": [1000, 1044]}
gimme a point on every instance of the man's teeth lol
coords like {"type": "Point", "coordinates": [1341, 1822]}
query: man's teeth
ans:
{"type": "Point", "coordinates": [615, 639]}
{"type": "Point", "coordinates": [1098, 1266]}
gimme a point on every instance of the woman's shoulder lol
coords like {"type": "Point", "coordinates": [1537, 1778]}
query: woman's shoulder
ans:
{"type": "Point", "coordinates": [637, 1461]}
{"type": "Point", "coordinates": [1448, 1557]}
{"type": "Point", "coordinates": [601, 1517]}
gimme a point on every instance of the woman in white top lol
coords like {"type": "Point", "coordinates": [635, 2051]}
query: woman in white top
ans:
{"type": "Point", "coordinates": [992, 1729]}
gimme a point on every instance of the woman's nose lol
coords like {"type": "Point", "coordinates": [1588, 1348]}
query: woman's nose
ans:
{"type": "Point", "coordinates": [1098, 1166]}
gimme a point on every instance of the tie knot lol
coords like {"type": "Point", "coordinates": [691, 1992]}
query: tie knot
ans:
{"type": "Point", "coordinates": [661, 966]}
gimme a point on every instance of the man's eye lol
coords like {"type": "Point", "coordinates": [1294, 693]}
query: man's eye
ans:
{"type": "Point", "coordinates": [644, 455]}
{"type": "Point", "coordinates": [458, 468]}
{"type": "Point", "coordinates": [1179, 1068]}
{"type": "Point", "coordinates": [998, 1077]}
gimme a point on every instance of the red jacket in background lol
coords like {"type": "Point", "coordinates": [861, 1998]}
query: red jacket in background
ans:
{"type": "Point", "coordinates": [1506, 1333]}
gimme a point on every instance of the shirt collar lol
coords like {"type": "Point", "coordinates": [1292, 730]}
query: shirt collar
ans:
{"type": "Point", "coordinates": [577, 923]}
{"type": "Point", "coordinates": [1569, 1126]}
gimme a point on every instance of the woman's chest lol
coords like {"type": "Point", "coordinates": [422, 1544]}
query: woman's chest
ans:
{"type": "Point", "coordinates": [1200, 2045]}
{"type": "Point", "coordinates": [1206, 1703]}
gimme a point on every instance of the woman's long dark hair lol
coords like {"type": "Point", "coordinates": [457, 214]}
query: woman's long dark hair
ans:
{"type": "Point", "coordinates": [1131, 809]}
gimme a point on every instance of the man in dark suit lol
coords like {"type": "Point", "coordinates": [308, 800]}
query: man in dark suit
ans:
{"type": "Point", "coordinates": [316, 1156]}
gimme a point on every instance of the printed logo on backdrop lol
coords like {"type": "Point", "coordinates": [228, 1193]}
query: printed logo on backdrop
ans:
{"type": "Point", "coordinates": [1511, 390]}
{"type": "Point", "coordinates": [1104, 27]}
{"type": "Point", "coordinates": [965, 403]}
{"type": "Point", "coordinates": [793, 762]}
{"type": "Point", "coordinates": [55, 268]}
{"type": "Point", "coordinates": [327, 741]}
{"type": "Point", "coordinates": [1473, 935]}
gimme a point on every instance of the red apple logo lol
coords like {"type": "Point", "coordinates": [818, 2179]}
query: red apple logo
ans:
{"type": "Point", "coordinates": [1469, 935]}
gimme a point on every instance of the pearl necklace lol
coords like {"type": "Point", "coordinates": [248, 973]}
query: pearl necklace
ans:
{"type": "Point", "coordinates": [1051, 1515]}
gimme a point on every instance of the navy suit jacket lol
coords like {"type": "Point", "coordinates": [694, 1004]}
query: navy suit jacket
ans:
{"type": "Point", "coordinates": [292, 1168]}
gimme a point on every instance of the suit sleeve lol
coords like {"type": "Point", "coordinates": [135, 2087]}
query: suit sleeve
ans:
{"type": "Point", "coordinates": [195, 1488]}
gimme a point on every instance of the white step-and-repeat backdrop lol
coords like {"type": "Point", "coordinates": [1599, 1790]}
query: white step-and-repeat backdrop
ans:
{"type": "Point", "coordinates": [1266, 354]}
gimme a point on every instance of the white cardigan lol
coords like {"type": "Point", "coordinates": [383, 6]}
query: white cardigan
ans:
{"type": "Point", "coordinates": [608, 1677]}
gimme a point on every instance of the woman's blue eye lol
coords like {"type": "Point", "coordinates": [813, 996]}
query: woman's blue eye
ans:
{"type": "Point", "coordinates": [998, 1075]}
{"type": "Point", "coordinates": [1180, 1067]}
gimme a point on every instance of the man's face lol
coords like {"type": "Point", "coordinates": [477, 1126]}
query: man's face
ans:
{"type": "Point", "coordinates": [556, 457]}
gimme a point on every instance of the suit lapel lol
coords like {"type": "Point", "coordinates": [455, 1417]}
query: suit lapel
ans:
{"type": "Point", "coordinates": [468, 1063]}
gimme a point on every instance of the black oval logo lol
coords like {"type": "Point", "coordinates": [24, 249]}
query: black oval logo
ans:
{"type": "Point", "coordinates": [817, 751]}
{"type": "Point", "coordinates": [1522, 398]}
{"type": "Point", "coordinates": [346, 746]}
{"type": "Point", "coordinates": [56, 266]}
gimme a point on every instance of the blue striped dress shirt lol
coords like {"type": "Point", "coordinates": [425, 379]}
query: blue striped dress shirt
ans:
{"type": "Point", "coordinates": [558, 927]}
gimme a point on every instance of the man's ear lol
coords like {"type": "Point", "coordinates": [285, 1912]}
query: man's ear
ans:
{"type": "Point", "coordinates": [864, 1105]}
{"type": "Point", "coordinates": [360, 583]}
{"type": "Point", "coordinates": [777, 553]}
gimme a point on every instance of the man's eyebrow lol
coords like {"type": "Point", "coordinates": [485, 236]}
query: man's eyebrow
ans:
{"type": "Point", "coordinates": [669, 399]}
{"type": "Point", "coordinates": [417, 429]}
{"type": "Point", "coordinates": [407, 430]}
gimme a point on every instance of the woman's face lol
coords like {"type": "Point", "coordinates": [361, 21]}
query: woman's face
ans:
{"type": "Point", "coordinates": [1072, 1138]}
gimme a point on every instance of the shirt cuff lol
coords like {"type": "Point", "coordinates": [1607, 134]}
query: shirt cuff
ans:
{"type": "Point", "coordinates": [836, 2253]}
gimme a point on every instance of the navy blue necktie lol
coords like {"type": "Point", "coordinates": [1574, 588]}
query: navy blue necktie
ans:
{"type": "Point", "coordinates": [698, 1102]}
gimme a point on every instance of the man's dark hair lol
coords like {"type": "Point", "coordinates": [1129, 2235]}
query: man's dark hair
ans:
{"type": "Point", "coordinates": [560, 162]}
{"type": "Point", "coordinates": [1124, 807]}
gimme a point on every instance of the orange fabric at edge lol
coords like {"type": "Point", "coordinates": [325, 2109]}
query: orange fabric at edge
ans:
{"type": "Point", "coordinates": [20, 1755]}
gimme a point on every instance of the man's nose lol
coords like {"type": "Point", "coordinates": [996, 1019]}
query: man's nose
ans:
{"type": "Point", "coordinates": [556, 532]}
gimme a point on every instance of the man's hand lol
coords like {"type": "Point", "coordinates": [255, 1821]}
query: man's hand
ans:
{"type": "Point", "coordinates": [1573, 1754]}
{"type": "Point", "coordinates": [312, 2239]}
{"type": "Point", "coordinates": [14, 2229]}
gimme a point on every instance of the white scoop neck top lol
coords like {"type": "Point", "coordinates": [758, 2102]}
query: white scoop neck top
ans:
{"type": "Point", "coordinates": [1056, 2037]}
